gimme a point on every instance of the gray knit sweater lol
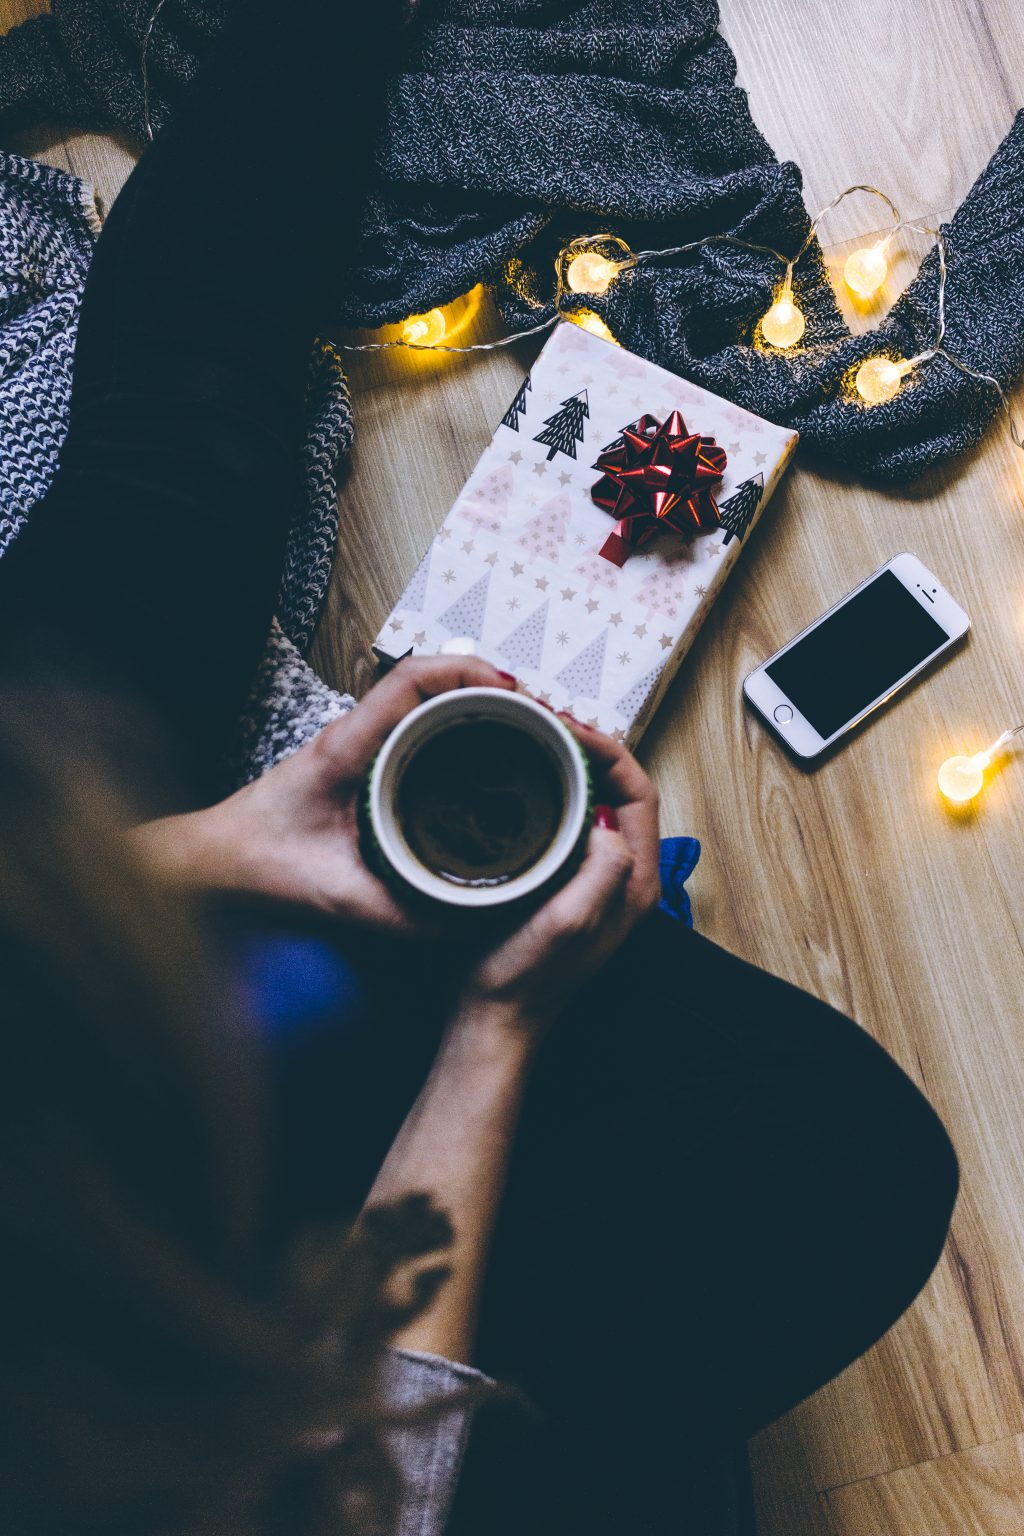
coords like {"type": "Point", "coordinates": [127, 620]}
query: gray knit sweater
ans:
{"type": "Point", "coordinates": [514, 124]}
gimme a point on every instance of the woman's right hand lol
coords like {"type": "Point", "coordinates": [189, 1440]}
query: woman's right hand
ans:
{"type": "Point", "coordinates": [530, 976]}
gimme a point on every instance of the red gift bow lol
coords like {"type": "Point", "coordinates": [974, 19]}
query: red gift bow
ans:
{"type": "Point", "coordinates": [657, 475]}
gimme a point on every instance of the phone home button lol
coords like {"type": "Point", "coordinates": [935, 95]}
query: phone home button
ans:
{"type": "Point", "coordinates": [783, 714]}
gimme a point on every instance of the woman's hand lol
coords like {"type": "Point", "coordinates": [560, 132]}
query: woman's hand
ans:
{"type": "Point", "coordinates": [533, 973]}
{"type": "Point", "coordinates": [293, 835]}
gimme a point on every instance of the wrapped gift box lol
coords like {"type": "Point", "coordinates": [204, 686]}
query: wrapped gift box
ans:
{"type": "Point", "coordinates": [518, 569]}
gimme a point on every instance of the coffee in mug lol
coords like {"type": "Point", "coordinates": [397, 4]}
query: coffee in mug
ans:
{"type": "Point", "coordinates": [479, 797]}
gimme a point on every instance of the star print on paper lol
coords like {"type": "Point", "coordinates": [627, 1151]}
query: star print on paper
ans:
{"type": "Point", "coordinates": [542, 582]}
{"type": "Point", "coordinates": [760, 458]}
{"type": "Point", "coordinates": [615, 618]}
{"type": "Point", "coordinates": [444, 534]}
{"type": "Point", "coordinates": [666, 642]}
{"type": "Point", "coordinates": [540, 468]}
{"type": "Point", "coordinates": [448, 576]}
{"type": "Point", "coordinates": [517, 568]}
{"type": "Point", "coordinates": [396, 625]}
{"type": "Point", "coordinates": [492, 558]}
{"type": "Point", "coordinates": [618, 734]}
{"type": "Point", "coordinates": [592, 605]}
{"type": "Point", "coordinates": [564, 478]}
{"type": "Point", "coordinates": [544, 534]}
{"type": "Point", "coordinates": [420, 637]}
{"type": "Point", "coordinates": [562, 638]}
{"type": "Point", "coordinates": [580, 538]}
{"type": "Point", "coordinates": [700, 590]}
{"type": "Point", "coordinates": [513, 603]}
{"type": "Point", "coordinates": [516, 456]}
{"type": "Point", "coordinates": [468, 547]}
{"type": "Point", "coordinates": [567, 594]}
{"type": "Point", "coordinates": [624, 658]}
{"type": "Point", "coordinates": [640, 631]}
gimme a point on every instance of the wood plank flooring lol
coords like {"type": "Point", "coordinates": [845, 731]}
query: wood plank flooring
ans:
{"type": "Point", "coordinates": [852, 881]}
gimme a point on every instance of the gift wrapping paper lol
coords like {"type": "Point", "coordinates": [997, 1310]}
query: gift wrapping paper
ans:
{"type": "Point", "coordinates": [516, 567]}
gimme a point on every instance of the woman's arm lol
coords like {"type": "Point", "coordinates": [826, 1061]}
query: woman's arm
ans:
{"type": "Point", "coordinates": [455, 1143]}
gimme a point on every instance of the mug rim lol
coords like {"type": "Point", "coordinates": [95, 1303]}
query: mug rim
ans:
{"type": "Point", "coordinates": [393, 847]}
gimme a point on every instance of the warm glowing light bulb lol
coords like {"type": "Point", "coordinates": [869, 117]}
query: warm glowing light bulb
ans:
{"type": "Point", "coordinates": [961, 778]}
{"type": "Point", "coordinates": [425, 330]}
{"type": "Point", "coordinates": [590, 272]}
{"type": "Point", "coordinates": [866, 270]}
{"type": "Point", "coordinates": [783, 325]}
{"type": "Point", "coordinates": [879, 378]}
{"type": "Point", "coordinates": [589, 321]}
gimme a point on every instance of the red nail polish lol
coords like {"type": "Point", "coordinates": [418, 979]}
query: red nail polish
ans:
{"type": "Point", "coordinates": [579, 724]}
{"type": "Point", "coordinates": [605, 817]}
{"type": "Point", "coordinates": [509, 677]}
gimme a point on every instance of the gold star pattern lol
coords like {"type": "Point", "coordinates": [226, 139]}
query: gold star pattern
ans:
{"type": "Point", "coordinates": [512, 603]}
{"type": "Point", "coordinates": [665, 641]}
{"type": "Point", "coordinates": [640, 630]}
{"type": "Point", "coordinates": [568, 594]}
{"type": "Point", "coordinates": [516, 456]}
{"type": "Point", "coordinates": [420, 637]}
{"type": "Point", "coordinates": [615, 618]}
{"type": "Point", "coordinates": [565, 478]}
{"type": "Point", "coordinates": [700, 590]}
{"type": "Point", "coordinates": [492, 558]}
{"type": "Point", "coordinates": [714, 550]}
{"type": "Point", "coordinates": [444, 534]}
{"type": "Point", "coordinates": [618, 735]}
{"type": "Point", "coordinates": [580, 538]}
{"type": "Point", "coordinates": [468, 547]}
{"type": "Point", "coordinates": [517, 569]}
{"type": "Point", "coordinates": [544, 698]}
{"type": "Point", "coordinates": [562, 638]}
{"type": "Point", "coordinates": [396, 625]}
{"type": "Point", "coordinates": [448, 576]}
{"type": "Point", "coordinates": [592, 722]}
{"type": "Point", "coordinates": [624, 658]}
{"type": "Point", "coordinates": [542, 583]}
{"type": "Point", "coordinates": [760, 458]}
{"type": "Point", "coordinates": [541, 467]}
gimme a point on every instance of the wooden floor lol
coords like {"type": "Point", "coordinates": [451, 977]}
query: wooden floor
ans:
{"type": "Point", "coordinates": [853, 882]}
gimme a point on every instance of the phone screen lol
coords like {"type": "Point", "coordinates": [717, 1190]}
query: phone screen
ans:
{"type": "Point", "coordinates": [857, 654]}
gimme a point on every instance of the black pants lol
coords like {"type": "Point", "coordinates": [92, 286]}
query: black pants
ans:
{"type": "Point", "coordinates": [723, 1191]}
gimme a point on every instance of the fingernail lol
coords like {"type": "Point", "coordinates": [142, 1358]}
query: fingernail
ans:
{"type": "Point", "coordinates": [509, 677]}
{"type": "Point", "coordinates": [605, 817]}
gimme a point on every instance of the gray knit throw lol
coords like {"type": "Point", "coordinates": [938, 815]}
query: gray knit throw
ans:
{"type": "Point", "coordinates": [515, 124]}
{"type": "Point", "coordinates": [48, 226]}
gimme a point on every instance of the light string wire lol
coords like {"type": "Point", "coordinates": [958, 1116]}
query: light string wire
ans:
{"type": "Point", "coordinates": [634, 259]}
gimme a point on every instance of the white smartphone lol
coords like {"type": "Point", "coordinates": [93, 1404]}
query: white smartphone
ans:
{"type": "Point", "coordinates": [856, 656]}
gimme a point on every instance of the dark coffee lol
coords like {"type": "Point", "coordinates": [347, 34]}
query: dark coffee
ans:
{"type": "Point", "coordinates": [480, 802]}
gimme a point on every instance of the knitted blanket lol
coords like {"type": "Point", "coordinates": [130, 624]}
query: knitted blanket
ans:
{"type": "Point", "coordinates": [515, 124]}
{"type": "Point", "coordinates": [48, 226]}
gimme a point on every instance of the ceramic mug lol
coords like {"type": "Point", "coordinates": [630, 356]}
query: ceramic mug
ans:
{"type": "Point", "coordinates": [389, 848]}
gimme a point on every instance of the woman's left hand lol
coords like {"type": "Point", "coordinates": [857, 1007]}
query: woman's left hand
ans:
{"type": "Point", "coordinates": [293, 836]}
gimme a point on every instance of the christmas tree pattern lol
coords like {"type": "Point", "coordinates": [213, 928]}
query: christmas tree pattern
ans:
{"type": "Point", "coordinates": [486, 505]}
{"type": "Point", "coordinates": [582, 676]}
{"type": "Point", "coordinates": [466, 614]}
{"type": "Point", "coordinates": [564, 429]}
{"type": "Point", "coordinates": [415, 594]}
{"type": "Point", "coordinates": [543, 535]}
{"type": "Point", "coordinates": [518, 406]}
{"type": "Point", "coordinates": [596, 571]}
{"type": "Point", "coordinates": [524, 647]}
{"type": "Point", "coordinates": [739, 511]}
{"type": "Point", "coordinates": [662, 589]}
{"type": "Point", "coordinates": [633, 702]}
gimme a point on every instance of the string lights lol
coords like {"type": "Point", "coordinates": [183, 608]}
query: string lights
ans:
{"type": "Point", "coordinates": [589, 265]}
{"type": "Point", "coordinates": [962, 778]}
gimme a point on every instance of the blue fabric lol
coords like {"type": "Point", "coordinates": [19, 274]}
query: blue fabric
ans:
{"type": "Point", "coordinates": [302, 985]}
